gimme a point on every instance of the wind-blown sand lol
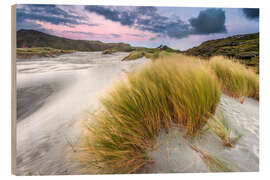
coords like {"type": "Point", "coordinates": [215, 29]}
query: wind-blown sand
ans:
{"type": "Point", "coordinates": [173, 155]}
{"type": "Point", "coordinates": [56, 94]}
{"type": "Point", "coordinates": [53, 95]}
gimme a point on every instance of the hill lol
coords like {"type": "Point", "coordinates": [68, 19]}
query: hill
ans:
{"type": "Point", "coordinates": [150, 53]}
{"type": "Point", "coordinates": [243, 47]}
{"type": "Point", "coordinates": [33, 38]}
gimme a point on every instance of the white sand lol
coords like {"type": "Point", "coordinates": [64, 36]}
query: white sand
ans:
{"type": "Point", "coordinates": [173, 155]}
{"type": "Point", "coordinates": [55, 94]}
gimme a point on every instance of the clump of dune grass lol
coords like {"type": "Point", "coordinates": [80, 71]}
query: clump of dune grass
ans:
{"type": "Point", "coordinates": [214, 163]}
{"type": "Point", "coordinates": [134, 55]}
{"type": "Point", "coordinates": [237, 81]}
{"type": "Point", "coordinates": [138, 54]}
{"type": "Point", "coordinates": [40, 52]}
{"type": "Point", "coordinates": [220, 127]}
{"type": "Point", "coordinates": [135, 110]}
{"type": "Point", "coordinates": [109, 51]}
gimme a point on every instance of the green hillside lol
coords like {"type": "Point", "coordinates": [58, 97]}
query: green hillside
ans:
{"type": "Point", "coordinates": [242, 47]}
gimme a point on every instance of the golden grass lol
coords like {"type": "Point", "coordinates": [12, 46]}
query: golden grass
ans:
{"type": "Point", "coordinates": [237, 81]}
{"type": "Point", "coordinates": [134, 55]}
{"type": "Point", "coordinates": [109, 51]}
{"type": "Point", "coordinates": [174, 88]}
{"type": "Point", "coordinates": [134, 112]}
{"type": "Point", "coordinates": [139, 54]}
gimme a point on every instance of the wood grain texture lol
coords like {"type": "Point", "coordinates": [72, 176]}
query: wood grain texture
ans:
{"type": "Point", "coordinates": [13, 89]}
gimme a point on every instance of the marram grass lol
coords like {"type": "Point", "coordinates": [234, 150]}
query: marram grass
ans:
{"type": "Point", "coordinates": [237, 81]}
{"type": "Point", "coordinates": [134, 55]}
{"type": "Point", "coordinates": [214, 163]}
{"type": "Point", "coordinates": [134, 111]}
{"type": "Point", "coordinates": [174, 88]}
{"type": "Point", "coordinates": [219, 126]}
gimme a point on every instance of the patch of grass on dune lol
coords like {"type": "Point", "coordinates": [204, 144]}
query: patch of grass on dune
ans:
{"type": "Point", "coordinates": [134, 55]}
{"type": "Point", "coordinates": [138, 54]}
{"type": "Point", "coordinates": [40, 52]}
{"type": "Point", "coordinates": [134, 111]}
{"type": "Point", "coordinates": [220, 127]}
{"type": "Point", "coordinates": [173, 89]}
{"type": "Point", "coordinates": [214, 163]}
{"type": "Point", "coordinates": [237, 81]}
{"type": "Point", "coordinates": [109, 51]}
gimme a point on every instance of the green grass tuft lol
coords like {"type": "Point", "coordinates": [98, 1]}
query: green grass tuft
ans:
{"type": "Point", "coordinates": [220, 127]}
{"type": "Point", "coordinates": [214, 163]}
{"type": "Point", "coordinates": [109, 51]}
{"type": "Point", "coordinates": [135, 55]}
{"type": "Point", "coordinates": [40, 52]}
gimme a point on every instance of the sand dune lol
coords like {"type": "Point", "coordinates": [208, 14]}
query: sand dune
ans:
{"type": "Point", "coordinates": [173, 155]}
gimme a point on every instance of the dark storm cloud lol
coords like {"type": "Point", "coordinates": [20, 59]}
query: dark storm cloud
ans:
{"type": "Point", "coordinates": [148, 19]}
{"type": "Point", "coordinates": [50, 9]}
{"type": "Point", "coordinates": [143, 18]}
{"type": "Point", "coordinates": [54, 20]}
{"type": "Point", "coordinates": [48, 13]}
{"type": "Point", "coordinates": [209, 21]}
{"type": "Point", "coordinates": [124, 17]}
{"type": "Point", "coordinates": [251, 13]}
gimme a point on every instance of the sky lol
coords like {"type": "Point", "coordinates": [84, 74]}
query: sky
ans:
{"type": "Point", "coordinates": [177, 27]}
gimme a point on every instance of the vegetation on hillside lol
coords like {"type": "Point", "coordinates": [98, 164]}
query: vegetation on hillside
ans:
{"type": "Point", "coordinates": [242, 47]}
{"type": "Point", "coordinates": [137, 54]}
{"type": "Point", "coordinates": [245, 48]}
{"type": "Point", "coordinates": [150, 53]}
{"type": "Point", "coordinates": [23, 53]}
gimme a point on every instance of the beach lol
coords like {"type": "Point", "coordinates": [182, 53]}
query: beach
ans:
{"type": "Point", "coordinates": [54, 95]}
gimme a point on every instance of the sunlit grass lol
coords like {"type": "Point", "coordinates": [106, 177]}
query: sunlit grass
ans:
{"type": "Point", "coordinates": [134, 112]}
{"type": "Point", "coordinates": [109, 51]}
{"type": "Point", "coordinates": [173, 88]}
{"type": "Point", "coordinates": [237, 81]}
{"type": "Point", "coordinates": [134, 55]}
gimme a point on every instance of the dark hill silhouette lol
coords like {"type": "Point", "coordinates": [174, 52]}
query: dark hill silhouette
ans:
{"type": "Point", "coordinates": [33, 38]}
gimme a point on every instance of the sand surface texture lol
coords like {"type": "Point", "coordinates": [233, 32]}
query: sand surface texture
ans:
{"type": "Point", "coordinates": [53, 96]}
{"type": "Point", "coordinates": [174, 155]}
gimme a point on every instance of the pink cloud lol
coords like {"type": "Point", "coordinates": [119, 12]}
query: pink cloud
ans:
{"type": "Point", "coordinates": [101, 32]}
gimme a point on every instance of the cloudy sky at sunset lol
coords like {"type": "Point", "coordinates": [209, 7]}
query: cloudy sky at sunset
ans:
{"type": "Point", "coordinates": [177, 27]}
